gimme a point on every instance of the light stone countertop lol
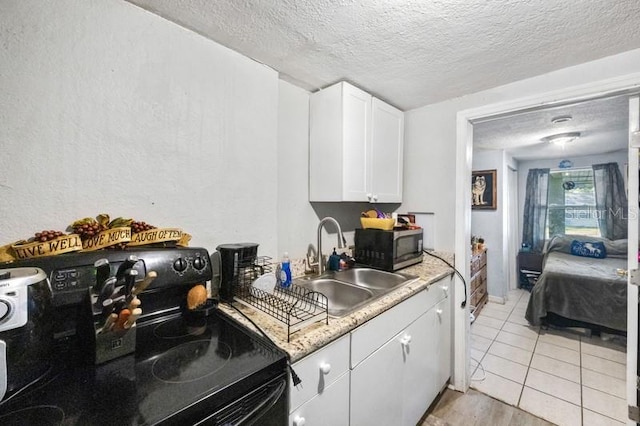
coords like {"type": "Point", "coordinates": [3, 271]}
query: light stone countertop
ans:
{"type": "Point", "coordinates": [319, 334]}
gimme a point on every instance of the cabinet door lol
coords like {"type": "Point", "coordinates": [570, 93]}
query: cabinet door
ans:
{"type": "Point", "coordinates": [443, 347]}
{"type": "Point", "coordinates": [419, 379]}
{"type": "Point", "coordinates": [356, 148]}
{"type": "Point", "coordinates": [330, 408]}
{"type": "Point", "coordinates": [387, 141]}
{"type": "Point", "coordinates": [376, 386]}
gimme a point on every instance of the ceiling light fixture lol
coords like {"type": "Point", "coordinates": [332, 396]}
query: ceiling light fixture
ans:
{"type": "Point", "coordinates": [561, 119]}
{"type": "Point", "coordinates": [562, 138]}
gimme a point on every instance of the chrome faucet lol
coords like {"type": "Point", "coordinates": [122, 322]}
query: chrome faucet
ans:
{"type": "Point", "coordinates": [342, 242]}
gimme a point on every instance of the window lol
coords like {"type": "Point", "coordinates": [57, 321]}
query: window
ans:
{"type": "Point", "coordinates": [572, 203]}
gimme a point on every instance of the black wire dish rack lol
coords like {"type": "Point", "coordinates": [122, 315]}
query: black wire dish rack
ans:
{"type": "Point", "coordinates": [294, 306]}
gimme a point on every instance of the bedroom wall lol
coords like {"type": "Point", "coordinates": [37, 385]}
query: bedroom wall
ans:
{"type": "Point", "coordinates": [492, 225]}
{"type": "Point", "coordinates": [620, 157]}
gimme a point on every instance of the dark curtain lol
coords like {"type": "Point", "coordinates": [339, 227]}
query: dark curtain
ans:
{"type": "Point", "coordinates": [611, 201]}
{"type": "Point", "coordinates": [535, 209]}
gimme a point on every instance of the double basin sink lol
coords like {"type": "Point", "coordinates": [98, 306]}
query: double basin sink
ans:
{"type": "Point", "coordinates": [352, 289]}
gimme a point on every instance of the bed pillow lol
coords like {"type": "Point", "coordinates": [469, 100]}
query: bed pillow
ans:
{"type": "Point", "coordinates": [593, 249]}
{"type": "Point", "coordinates": [562, 243]}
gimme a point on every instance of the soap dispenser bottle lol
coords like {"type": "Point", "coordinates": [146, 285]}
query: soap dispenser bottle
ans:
{"type": "Point", "coordinates": [334, 261]}
{"type": "Point", "coordinates": [285, 271]}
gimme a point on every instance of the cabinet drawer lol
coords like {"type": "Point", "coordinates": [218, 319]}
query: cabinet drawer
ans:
{"type": "Point", "coordinates": [334, 356]}
{"type": "Point", "coordinates": [372, 335]}
{"type": "Point", "coordinates": [477, 281]}
{"type": "Point", "coordinates": [478, 261]}
{"type": "Point", "coordinates": [330, 408]}
{"type": "Point", "coordinates": [478, 295]}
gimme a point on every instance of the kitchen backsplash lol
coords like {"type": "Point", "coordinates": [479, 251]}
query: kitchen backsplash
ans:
{"type": "Point", "coordinates": [298, 267]}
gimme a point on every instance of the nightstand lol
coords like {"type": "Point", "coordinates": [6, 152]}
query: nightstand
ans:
{"type": "Point", "coordinates": [529, 268]}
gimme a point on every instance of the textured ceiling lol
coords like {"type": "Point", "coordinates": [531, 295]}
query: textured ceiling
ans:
{"type": "Point", "coordinates": [412, 52]}
{"type": "Point", "coordinates": [603, 125]}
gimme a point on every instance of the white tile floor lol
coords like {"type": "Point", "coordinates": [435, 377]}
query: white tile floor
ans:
{"type": "Point", "coordinates": [562, 377]}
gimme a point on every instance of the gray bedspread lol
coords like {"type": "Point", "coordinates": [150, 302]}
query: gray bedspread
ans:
{"type": "Point", "coordinates": [580, 288]}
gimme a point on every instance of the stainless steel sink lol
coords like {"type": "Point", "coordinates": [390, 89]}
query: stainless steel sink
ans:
{"type": "Point", "coordinates": [350, 290]}
{"type": "Point", "coordinates": [373, 278]}
{"type": "Point", "coordinates": [342, 298]}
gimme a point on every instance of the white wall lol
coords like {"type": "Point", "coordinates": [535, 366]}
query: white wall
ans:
{"type": "Point", "coordinates": [108, 108]}
{"type": "Point", "coordinates": [620, 157]}
{"type": "Point", "coordinates": [492, 224]}
{"type": "Point", "coordinates": [429, 169]}
{"type": "Point", "coordinates": [430, 136]}
{"type": "Point", "coordinates": [297, 220]}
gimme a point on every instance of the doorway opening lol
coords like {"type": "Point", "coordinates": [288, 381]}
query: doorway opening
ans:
{"type": "Point", "coordinates": [463, 215]}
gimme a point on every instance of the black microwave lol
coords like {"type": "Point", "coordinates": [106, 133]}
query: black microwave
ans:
{"type": "Point", "coordinates": [388, 250]}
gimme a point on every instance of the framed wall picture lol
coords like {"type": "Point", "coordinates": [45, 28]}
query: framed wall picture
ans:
{"type": "Point", "coordinates": [484, 190]}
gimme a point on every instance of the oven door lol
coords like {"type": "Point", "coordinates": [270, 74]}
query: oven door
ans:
{"type": "Point", "coordinates": [266, 405]}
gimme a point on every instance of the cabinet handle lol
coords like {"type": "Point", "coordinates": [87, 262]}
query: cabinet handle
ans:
{"type": "Point", "coordinates": [369, 195]}
{"type": "Point", "coordinates": [445, 288]}
{"type": "Point", "coordinates": [299, 421]}
{"type": "Point", "coordinates": [439, 312]}
{"type": "Point", "coordinates": [375, 197]}
{"type": "Point", "coordinates": [325, 367]}
{"type": "Point", "coordinates": [406, 339]}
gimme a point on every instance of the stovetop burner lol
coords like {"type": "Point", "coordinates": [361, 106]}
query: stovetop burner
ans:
{"type": "Point", "coordinates": [41, 415]}
{"type": "Point", "coordinates": [191, 361]}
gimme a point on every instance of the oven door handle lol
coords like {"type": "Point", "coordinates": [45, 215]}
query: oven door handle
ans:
{"type": "Point", "coordinates": [264, 406]}
{"type": "Point", "coordinates": [258, 411]}
{"type": "Point", "coordinates": [3, 369]}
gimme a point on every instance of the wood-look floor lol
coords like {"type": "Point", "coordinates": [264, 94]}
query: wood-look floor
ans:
{"type": "Point", "coordinates": [475, 408]}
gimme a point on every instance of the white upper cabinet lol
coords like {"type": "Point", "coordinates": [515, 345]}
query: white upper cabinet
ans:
{"type": "Point", "coordinates": [387, 141]}
{"type": "Point", "coordinates": [356, 144]}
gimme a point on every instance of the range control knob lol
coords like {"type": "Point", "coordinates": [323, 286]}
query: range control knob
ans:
{"type": "Point", "coordinates": [180, 264]}
{"type": "Point", "coordinates": [5, 309]}
{"type": "Point", "coordinates": [199, 263]}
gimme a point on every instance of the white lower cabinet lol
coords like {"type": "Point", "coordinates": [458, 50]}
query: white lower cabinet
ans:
{"type": "Point", "coordinates": [418, 384]}
{"type": "Point", "coordinates": [444, 350]}
{"type": "Point", "coordinates": [388, 373]}
{"type": "Point", "coordinates": [397, 382]}
{"type": "Point", "coordinates": [376, 383]}
{"type": "Point", "coordinates": [427, 360]}
{"type": "Point", "coordinates": [329, 408]}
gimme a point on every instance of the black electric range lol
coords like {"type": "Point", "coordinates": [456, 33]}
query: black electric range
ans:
{"type": "Point", "coordinates": [186, 369]}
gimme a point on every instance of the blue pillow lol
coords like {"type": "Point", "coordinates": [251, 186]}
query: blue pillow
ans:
{"type": "Point", "coordinates": [588, 249]}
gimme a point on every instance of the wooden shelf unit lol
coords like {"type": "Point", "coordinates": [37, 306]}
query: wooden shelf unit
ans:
{"type": "Point", "coordinates": [478, 290]}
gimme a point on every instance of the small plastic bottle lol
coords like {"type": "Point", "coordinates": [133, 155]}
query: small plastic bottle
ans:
{"type": "Point", "coordinates": [285, 271]}
{"type": "Point", "coordinates": [334, 261]}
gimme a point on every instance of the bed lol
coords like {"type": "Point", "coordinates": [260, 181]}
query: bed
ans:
{"type": "Point", "coordinates": [588, 291]}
